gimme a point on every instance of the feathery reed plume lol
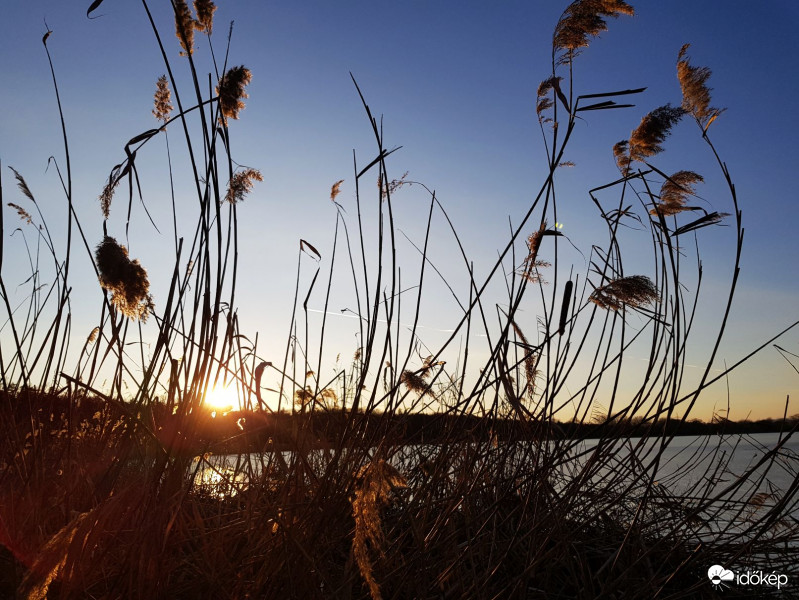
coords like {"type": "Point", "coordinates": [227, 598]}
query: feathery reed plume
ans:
{"type": "Point", "coordinates": [23, 185]}
{"type": "Point", "coordinates": [231, 91]}
{"type": "Point", "coordinates": [415, 382]}
{"type": "Point", "coordinates": [303, 396]}
{"type": "Point", "coordinates": [92, 336]}
{"type": "Point", "coordinates": [534, 242]}
{"type": "Point", "coordinates": [531, 271]}
{"type": "Point", "coordinates": [622, 155]}
{"type": "Point", "coordinates": [23, 214]}
{"type": "Point", "coordinates": [427, 366]}
{"type": "Point", "coordinates": [50, 560]}
{"type": "Point", "coordinates": [584, 19]}
{"type": "Point", "coordinates": [329, 398]}
{"type": "Point", "coordinates": [531, 263]}
{"type": "Point", "coordinates": [184, 27]}
{"type": "Point", "coordinates": [162, 97]}
{"type": "Point", "coordinates": [334, 191]}
{"type": "Point", "coordinates": [646, 139]}
{"type": "Point", "coordinates": [126, 279]}
{"type": "Point", "coordinates": [675, 191]}
{"type": "Point", "coordinates": [205, 15]}
{"type": "Point", "coordinates": [392, 186]}
{"type": "Point", "coordinates": [530, 359]}
{"type": "Point", "coordinates": [544, 102]}
{"type": "Point", "coordinates": [240, 184]}
{"type": "Point", "coordinates": [108, 194]}
{"type": "Point", "coordinates": [377, 481]}
{"type": "Point", "coordinates": [695, 93]}
{"type": "Point", "coordinates": [635, 290]}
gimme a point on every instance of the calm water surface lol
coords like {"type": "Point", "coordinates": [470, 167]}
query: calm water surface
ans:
{"type": "Point", "coordinates": [684, 466]}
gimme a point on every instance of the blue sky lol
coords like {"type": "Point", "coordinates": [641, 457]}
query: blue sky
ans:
{"type": "Point", "coordinates": [456, 84]}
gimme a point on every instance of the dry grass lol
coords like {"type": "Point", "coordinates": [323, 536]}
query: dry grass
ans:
{"type": "Point", "coordinates": [675, 191]}
{"type": "Point", "coordinates": [126, 279]}
{"type": "Point", "coordinates": [695, 93]}
{"type": "Point", "coordinates": [115, 482]}
{"type": "Point", "coordinates": [162, 100]}
{"type": "Point", "coordinates": [205, 10]}
{"type": "Point", "coordinates": [241, 184]}
{"type": "Point", "coordinates": [184, 27]}
{"type": "Point", "coordinates": [231, 92]}
{"type": "Point", "coordinates": [585, 19]}
{"type": "Point", "coordinates": [634, 291]}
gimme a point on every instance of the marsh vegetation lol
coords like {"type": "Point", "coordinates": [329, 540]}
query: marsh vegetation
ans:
{"type": "Point", "coordinates": [326, 493]}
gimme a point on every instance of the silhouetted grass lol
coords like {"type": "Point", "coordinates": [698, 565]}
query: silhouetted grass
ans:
{"type": "Point", "coordinates": [128, 490]}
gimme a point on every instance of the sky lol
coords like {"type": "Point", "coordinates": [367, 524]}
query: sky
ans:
{"type": "Point", "coordinates": [456, 86]}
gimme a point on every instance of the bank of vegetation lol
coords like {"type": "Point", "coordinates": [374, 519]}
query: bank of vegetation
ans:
{"type": "Point", "coordinates": [349, 488]}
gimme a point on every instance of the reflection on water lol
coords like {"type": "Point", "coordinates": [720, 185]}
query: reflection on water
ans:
{"type": "Point", "coordinates": [218, 478]}
{"type": "Point", "coordinates": [689, 468]}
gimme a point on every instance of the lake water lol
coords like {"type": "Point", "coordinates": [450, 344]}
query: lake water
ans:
{"type": "Point", "coordinates": [685, 465]}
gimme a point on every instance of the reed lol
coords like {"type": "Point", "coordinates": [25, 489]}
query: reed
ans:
{"type": "Point", "coordinates": [117, 483]}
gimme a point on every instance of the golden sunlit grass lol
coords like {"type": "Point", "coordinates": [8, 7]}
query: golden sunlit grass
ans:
{"type": "Point", "coordinates": [116, 481]}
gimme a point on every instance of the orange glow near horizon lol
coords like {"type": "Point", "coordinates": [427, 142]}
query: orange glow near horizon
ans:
{"type": "Point", "coordinates": [222, 398]}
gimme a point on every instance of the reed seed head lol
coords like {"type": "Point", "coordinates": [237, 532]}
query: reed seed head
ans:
{"type": "Point", "coordinates": [126, 279]}
{"type": "Point", "coordinates": [427, 366]}
{"type": "Point", "coordinates": [23, 214]}
{"type": "Point", "coordinates": [184, 26]}
{"type": "Point", "coordinates": [205, 15]}
{"type": "Point", "coordinates": [240, 185]}
{"type": "Point", "coordinates": [334, 191]}
{"type": "Point", "coordinates": [531, 265]}
{"type": "Point", "coordinates": [107, 195]}
{"type": "Point", "coordinates": [534, 242]}
{"type": "Point", "coordinates": [377, 481]}
{"type": "Point", "coordinates": [621, 152]}
{"type": "Point", "coordinates": [695, 93]}
{"type": "Point", "coordinates": [231, 91]}
{"type": "Point", "coordinates": [635, 291]}
{"type": "Point", "coordinates": [530, 362]}
{"type": "Point", "coordinates": [303, 396]}
{"type": "Point", "coordinates": [585, 19]}
{"type": "Point", "coordinates": [415, 382]}
{"type": "Point", "coordinates": [23, 185]}
{"type": "Point", "coordinates": [646, 139]}
{"type": "Point", "coordinates": [544, 102]}
{"type": "Point", "coordinates": [163, 95]}
{"type": "Point", "coordinates": [392, 186]}
{"type": "Point", "coordinates": [675, 191]}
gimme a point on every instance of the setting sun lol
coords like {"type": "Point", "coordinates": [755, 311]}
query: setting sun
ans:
{"type": "Point", "coordinates": [221, 398]}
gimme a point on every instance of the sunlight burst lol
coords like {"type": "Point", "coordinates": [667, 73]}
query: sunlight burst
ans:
{"type": "Point", "coordinates": [221, 398]}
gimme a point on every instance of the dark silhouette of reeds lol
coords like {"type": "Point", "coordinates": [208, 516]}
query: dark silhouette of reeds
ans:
{"type": "Point", "coordinates": [116, 483]}
{"type": "Point", "coordinates": [126, 279]}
